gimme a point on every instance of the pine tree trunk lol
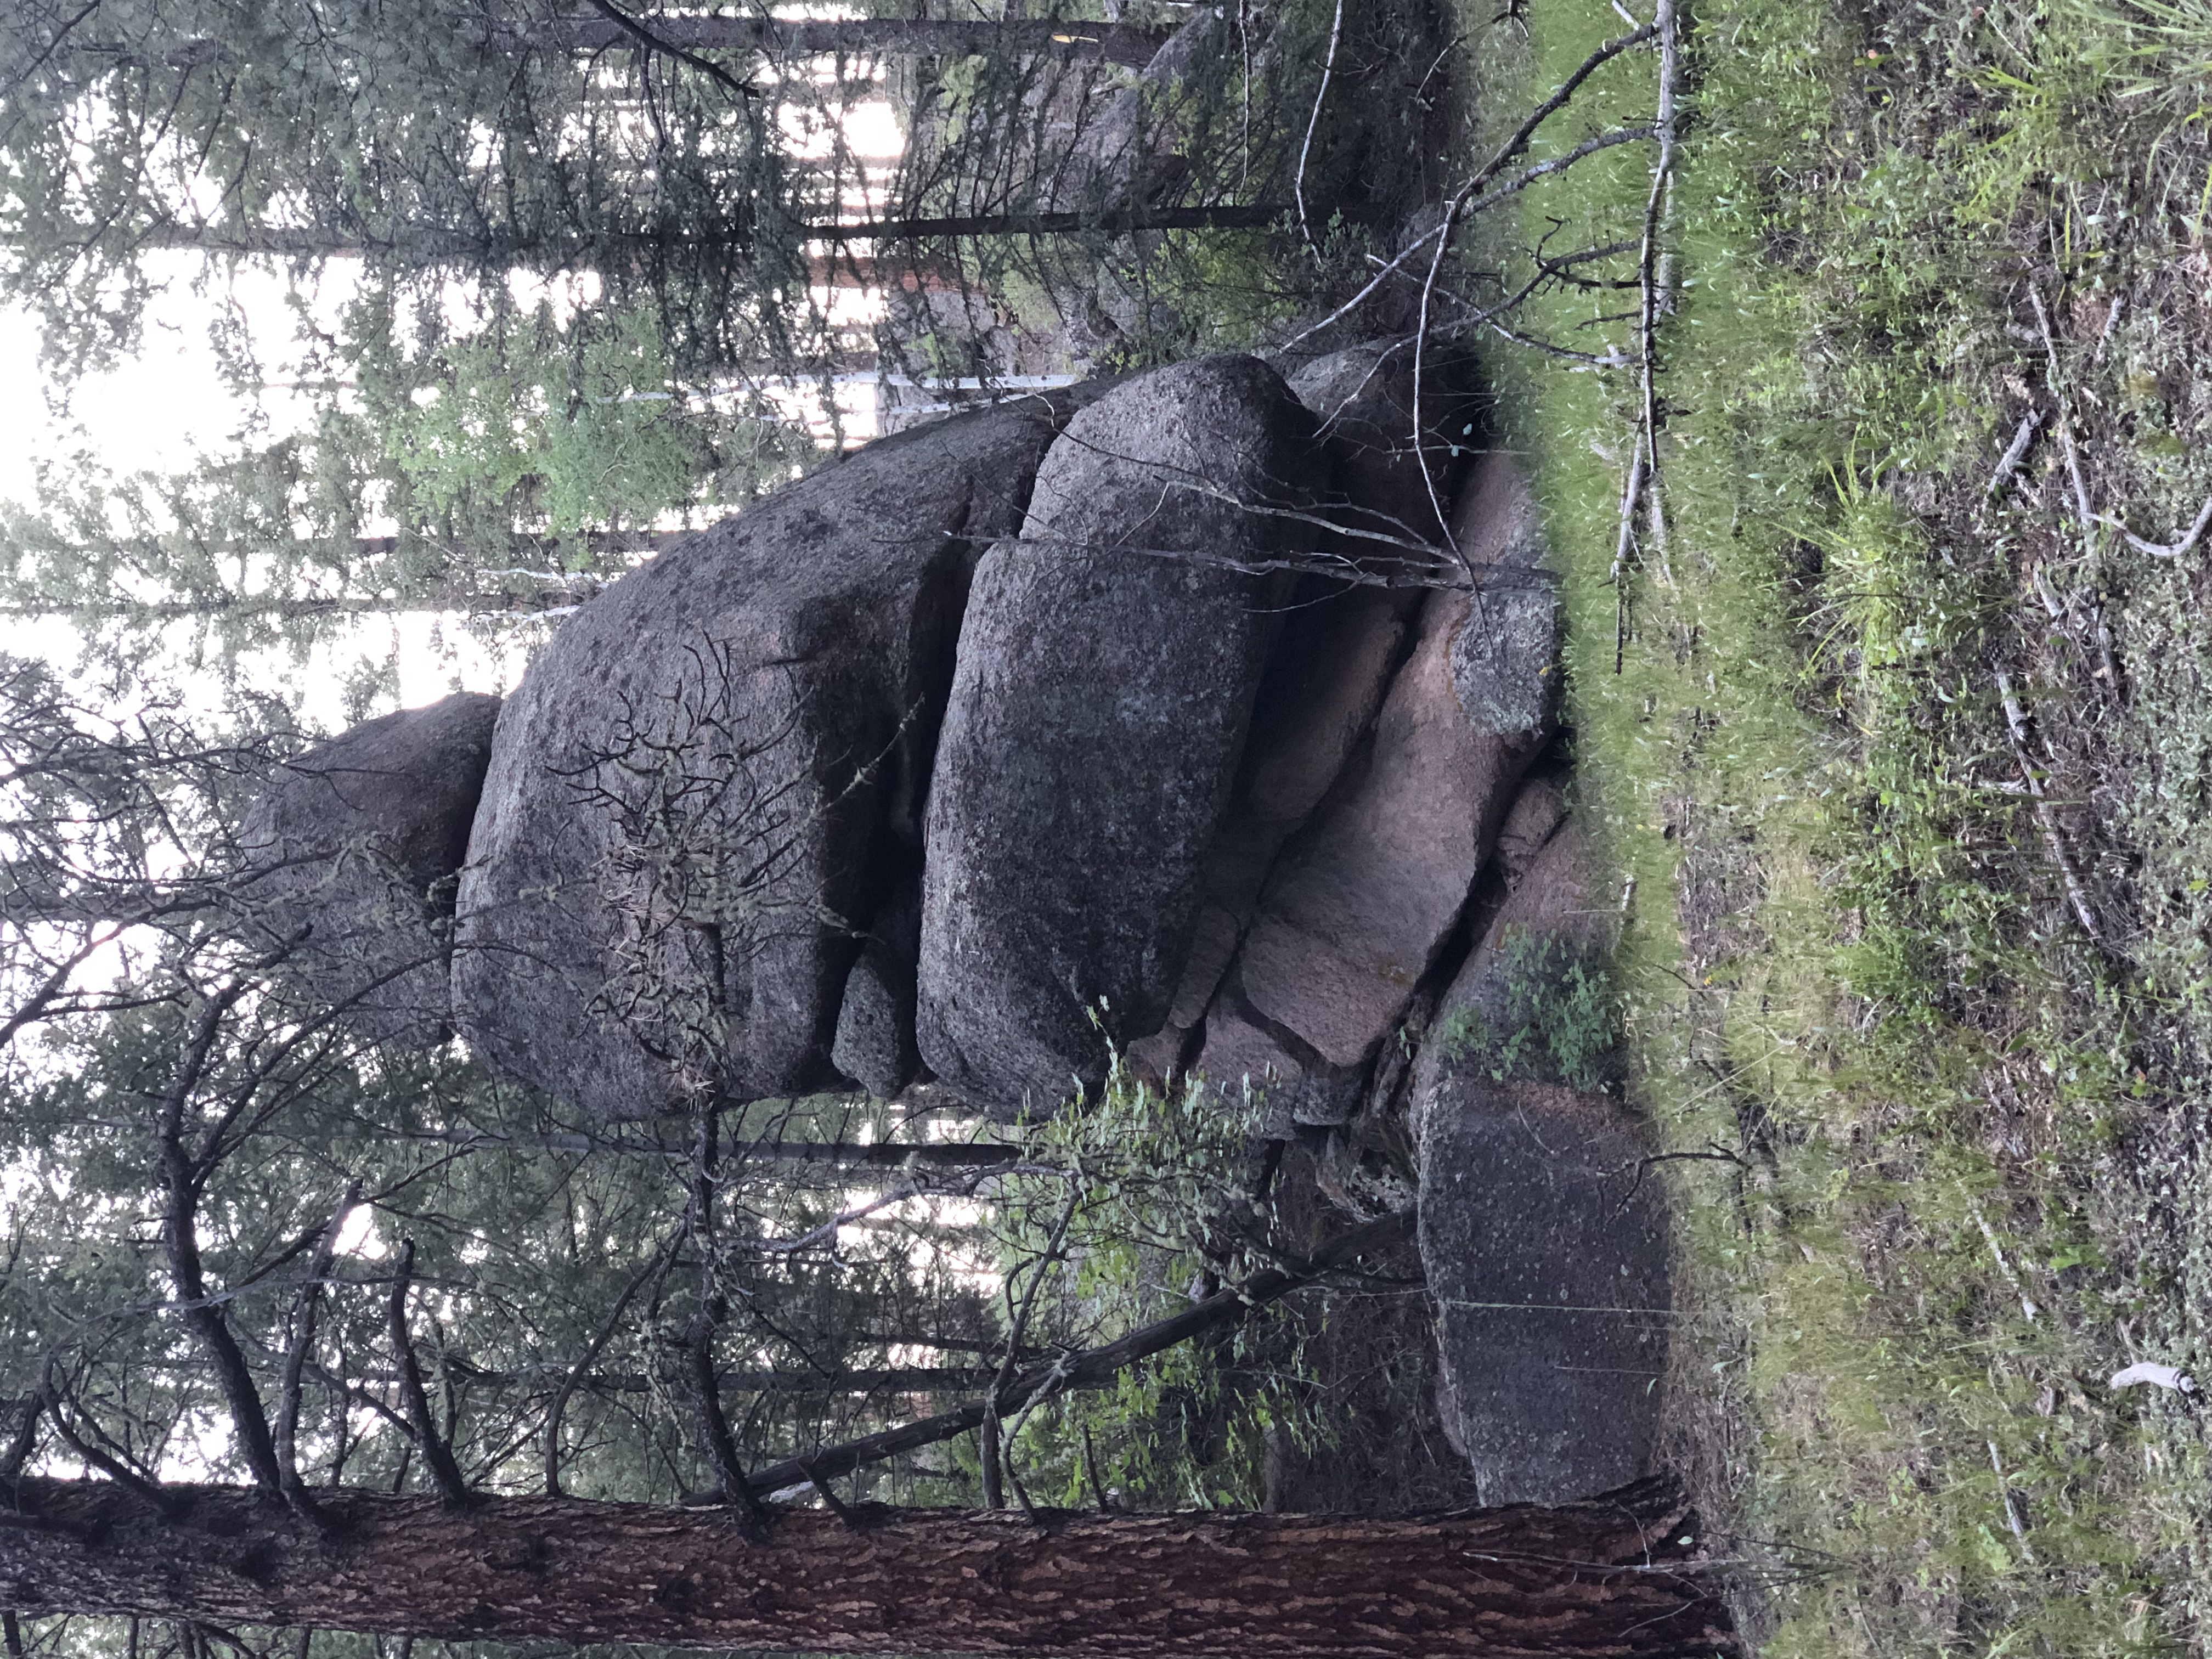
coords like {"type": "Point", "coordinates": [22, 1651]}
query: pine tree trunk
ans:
{"type": "Point", "coordinates": [1121, 221]}
{"type": "Point", "coordinates": [324, 242]}
{"type": "Point", "coordinates": [1604, 1577]}
{"type": "Point", "coordinates": [870, 37]}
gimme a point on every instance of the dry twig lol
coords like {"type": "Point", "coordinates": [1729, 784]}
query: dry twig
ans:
{"type": "Point", "coordinates": [2015, 452]}
{"type": "Point", "coordinates": [992, 1441]}
{"type": "Point", "coordinates": [1464, 200]}
{"type": "Point", "coordinates": [2088, 519]}
{"type": "Point", "coordinates": [2166, 550]}
{"type": "Point", "coordinates": [1298, 183]}
{"type": "Point", "coordinates": [2016, 730]}
{"type": "Point", "coordinates": [1643, 463]}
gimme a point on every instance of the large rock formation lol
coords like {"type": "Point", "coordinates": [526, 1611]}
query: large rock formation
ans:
{"type": "Point", "coordinates": [1107, 669]}
{"type": "Point", "coordinates": [1361, 902]}
{"type": "Point", "coordinates": [1343, 641]}
{"type": "Point", "coordinates": [351, 856]}
{"type": "Point", "coordinates": [1330, 668]}
{"type": "Point", "coordinates": [700, 861]}
{"type": "Point", "coordinates": [712, 779]}
{"type": "Point", "coordinates": [1542, 1231]}
{"type": "Point", "coordinates": [916, 768]}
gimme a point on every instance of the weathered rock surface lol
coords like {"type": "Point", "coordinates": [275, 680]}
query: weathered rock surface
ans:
{"type": "Point", "coordinates": [1132, 146]}
{"type": "Point", "coordinates": [713, 777]}
{"type": "Point", "coordinates": [1543, 1240]}
{"type": "Point", "coordinates": [1100, 707]}
{"type": "Point", "coordinates": [1327, 676]}
{"type": "Point", "coordinates": [875, 1041]}
{"type": "Point", "coordinates": [1341, 645]}
{"type": "Point", "coordinates": [353, 850]}
{"type": "Point", "coordinates": [1365, 396]}
{"type": "Point", "coordinates": [1537, 810]}
{"type": "Point", "coordinates": [1361, 901]}
{"type": "Point", "coordinates": [1504, 661]}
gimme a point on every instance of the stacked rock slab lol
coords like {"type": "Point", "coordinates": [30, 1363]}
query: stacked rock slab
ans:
{"type": "Point", "coordinates": [1361, 900]}
{"type": "Point", "coordinates": [711, 780]}
{"type": "Point", "coordinates": [1542, 1237]}
{"type": "Point", "coordinates": [1341, 642]}
{"type": "Point", "coordinates": [351, 855]}
{"type": "Point", "coordinates": [1107, 671]}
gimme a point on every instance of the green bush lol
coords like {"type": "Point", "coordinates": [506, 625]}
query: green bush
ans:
{"type": "Point", "coordinates": [1553, 1015]}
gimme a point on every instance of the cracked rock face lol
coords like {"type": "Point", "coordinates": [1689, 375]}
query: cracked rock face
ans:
{"type": "Point", "coordinates": [1096, 723]}
{"type": "Point", "coordinates": [1504, 661]}
{"type": "Point", "coordinates": [1365, 396]}
{"type": "Point", "coordinates": [352, 853]}
{"type": "Point", "coordinates": [712, 779]}
{"type": "Point", "coordinates": [1361, 902]}
{"type": "Point", "coordinates": [1313, 728]}
{"type": "Point", "coordinates": [874, 1045]}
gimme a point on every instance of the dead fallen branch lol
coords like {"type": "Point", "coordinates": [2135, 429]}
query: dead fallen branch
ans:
{"type": "Point", "coordinates": [2082, 511]}
{"type": "Point", "coordinates": [1464, 200]}
{"type": "Point", "coordinates": [2053, 841]}
{"type": "Point", "coordinates": [1091, 1365]}
{"type": "Point", "coordinates": [1305, 150]}
{"type": "Point", "coordinates": [2015, 452]}
{"type": "Point", "coordinates": [1643, 460]}
{"type": "Point", "coordinates": [2166, 550]}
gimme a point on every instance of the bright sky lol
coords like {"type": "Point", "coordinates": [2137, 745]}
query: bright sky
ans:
{"type": "Point", "coordinates": [159, 411]}
{"type": "Point", "coordinates": [162, 409]}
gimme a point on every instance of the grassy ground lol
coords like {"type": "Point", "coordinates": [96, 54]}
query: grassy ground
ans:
{"type": "Point", "coordinates": [1941, 1177]}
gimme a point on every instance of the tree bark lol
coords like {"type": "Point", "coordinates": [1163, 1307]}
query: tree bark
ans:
{"type": "Point", "coordinates": [831, 1154]}
{"type": "Point", "coordinates": [290, 607]}
{"type": "Point", "coordinates": [1613, 1577]}
{"type": "Point", "coordinates": [1119, 222]}
{"type": "Point", "coordinates": [858, 37]}
{"type": "Point", "coordinates": [316, 242]}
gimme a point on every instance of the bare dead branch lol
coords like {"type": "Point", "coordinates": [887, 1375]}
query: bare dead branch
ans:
{"type": "Point", "coordinates": [1101, 1365]}
{"type": "Point", "coordinates": [2084, 514]}
{"type": "Point", "coordinates": [652, 42]}
{"type": "Point", "coordinates": [41, 1000]}
{"type": "Point", "coordinates": [302, 1344]}
{"type": "Point", "coordinates": [837, 1505]}
{"type": "Point", "coordinates": [1313, 121]}
{"type": "Point", "coordinates": [1512, 186]}
{"type": "Point", "coordinates": [2165, 549]}
{"type": "Point", "coordinates": [445, 1472]}
{"type": "Point", "coordinates": [1643, 460]}
{"type": "Point", "coordinates": [2055, 842]}
{"type": "Point", "coordinates": [582, 1367]}
{"type": "Point", "coordinates": [2015, 452]}
{"type": "Point", "coordinates": [115, 1468]}
{"type": "Point", "coordinates": [1017, 1328]}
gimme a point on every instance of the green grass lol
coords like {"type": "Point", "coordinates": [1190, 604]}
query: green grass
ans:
{"type": "Point", "coordinates": [1964, 1188]}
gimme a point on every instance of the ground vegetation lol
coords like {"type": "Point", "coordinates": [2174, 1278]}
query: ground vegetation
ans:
{"type": "Point", "coordinates": [1883, 678]}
